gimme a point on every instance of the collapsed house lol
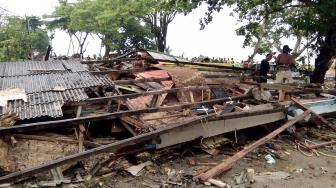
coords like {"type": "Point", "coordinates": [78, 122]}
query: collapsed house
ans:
{"type": "Point", "coordinates": [150, 99]}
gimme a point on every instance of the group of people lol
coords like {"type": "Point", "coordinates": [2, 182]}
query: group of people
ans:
{"type": "Point", "coordinates": [213, 60]}
{"type": "Point", "coordinates": [284, 62]}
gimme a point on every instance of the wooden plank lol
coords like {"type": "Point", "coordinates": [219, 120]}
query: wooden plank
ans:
{"type": "Point", "coordinates": [140, 122]}
{"type": "Point", "coordinates": [134, 95]}
{"type": "Point", "coordinates": [214, 66]}
{"type": "Point", "coordinates": [317, 116]}
{"type": "Point", "coordinates": [169, 61]}
{"type": "Point", "coordinates": [142, 80]}
{"type": "Point", "coordinates": [70, 122]}
{"type": "Point", "coordinates": [114, 147]}
{"type": "Point", "coordinates": [191, 96]}
{"type": "Point", "coordinates": [228, 163]}
{"type": "Point", "coordinates": [120, 71]}
{"type": "Point", "coordinates": [127, 127]}
{"type": "Point", "coordinates": [53, 139]}
{"type": "Point", "coordinates": [81, 131]}
{"type": "Point", "coordinates": [228, 124]}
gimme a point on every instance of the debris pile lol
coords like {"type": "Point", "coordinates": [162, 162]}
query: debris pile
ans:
{"type": "Point", "coordinates": [141, 114]}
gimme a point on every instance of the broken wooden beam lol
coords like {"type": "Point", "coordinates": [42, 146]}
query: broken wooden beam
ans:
{"type": "Point", "coordinates": [117, 146]}
{"type": "Point", "coordinates": [139, 121]}
{"type": "Point", "coordinates": [165, 60]}
{"type": "Point", "coordinates": [135, 70]}
{"type": "Point", "coordinates": [54, 139]}
{"type": "Point", "coordinates": [142, 80]}
{"type": "Point", "coordinates": [292, 89]}
{"type": "Point", "coordinates": [228, 163]}
{"type": "Point", "coordinates": [70, 122]}
{"type": "Point", "coordinates": [317, 116]}
{"type": "Point", "coordinates": [81, 131]}
{"type": "Point", "coordinates": [134, 95]}
{"type": "Point", "coordinates": [203, 69]}
{"type": "Point", "coordinates": [213, 65]}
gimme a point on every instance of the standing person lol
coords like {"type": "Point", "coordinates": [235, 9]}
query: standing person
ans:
{"type": "Point", "coordinates": [264, 68]}
{"type": "Point", "coordinates": [284, 61]}
{"type": "Point", "coordinates": [224, 61]}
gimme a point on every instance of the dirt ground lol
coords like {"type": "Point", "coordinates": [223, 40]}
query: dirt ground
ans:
{"type": "Point", "coordinates": [304, 171]}
{"type": "Point", "coordinates": [176, 166]}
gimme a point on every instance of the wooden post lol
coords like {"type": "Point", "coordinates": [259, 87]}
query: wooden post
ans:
{"type": "Point", "coordinates": [81, 132]}
{"type": "Point", "coordinates": [191, 97]}
{"type": "Point", "coordinates": [130, 142]}
{"type": "Point", "coordinates": [228, 163]}
{"type": "Point", "coordinates": [319, 117]}
{"type": "Point", "coordinates": [75, 121]}
{"type": "Point", "coordinates": [282, 95]}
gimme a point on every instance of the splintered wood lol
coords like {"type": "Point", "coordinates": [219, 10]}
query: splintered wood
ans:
{"type": "Point", "coordinates": [183, 77]}
{"type": "Point", "coordinates": [228, 163]}
{"type": "Point", "coordinates": [8, 119]}
{"type": "Point", "coordinates": [144, 101]}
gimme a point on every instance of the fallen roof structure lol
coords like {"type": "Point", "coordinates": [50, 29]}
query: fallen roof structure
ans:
{"type": "Point", "coordinates": [159, 105]}
{"type": "Point", "coordinates": [47, 86]}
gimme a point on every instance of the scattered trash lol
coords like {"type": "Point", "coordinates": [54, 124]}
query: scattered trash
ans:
{"type": "Point", "coordinates": [134, 170]}
{"type": "Point", "coordinates": [270, 159]}
{"type": "Point", "coordinates": [324, 170]}
{"type": "Point", "coordinates": [266, 176]}
{"type": "Point", "coordinates": [218, 183]}
{"type": "Point", "coordinates": [166, 106]}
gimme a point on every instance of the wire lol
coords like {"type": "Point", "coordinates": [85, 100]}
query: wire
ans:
{"type": "Point", "coordinates": [313, 151]}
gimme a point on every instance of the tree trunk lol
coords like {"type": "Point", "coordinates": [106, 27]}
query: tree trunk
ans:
{"type": "Point", "coordinates": [324, 59]}
{"type": "Point", "coordinates": [107, 51]}
{"type": "Point", "coordinates": [161, 46]}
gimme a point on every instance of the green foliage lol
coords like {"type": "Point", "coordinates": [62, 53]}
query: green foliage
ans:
{"type": "Point", "coordinates": [17, 43]}
{"type": "Point", "coordinates": [279, 17]}
{"type": "Point", "coordinates": [316, 18]}
{"type": "Point", "coordinates": [111, 20]}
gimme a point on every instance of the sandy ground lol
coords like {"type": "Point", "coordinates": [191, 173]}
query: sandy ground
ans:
{"type": "Point", "coordinates": [176, 166]}
{"type": "Point", "coordinates": [305, 172]}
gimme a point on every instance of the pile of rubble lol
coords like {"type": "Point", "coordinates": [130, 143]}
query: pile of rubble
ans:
{"type": "Point", "coordinates": [71, 122]}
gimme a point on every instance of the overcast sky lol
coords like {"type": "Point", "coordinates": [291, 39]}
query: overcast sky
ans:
{"type": "Point", "coordinates": [218, 39]}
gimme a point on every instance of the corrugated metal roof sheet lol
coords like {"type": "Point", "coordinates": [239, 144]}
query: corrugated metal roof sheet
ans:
{"type": "Point", "coordinates": [74, 65]}
{"type": "Point", "coordinates": [73, 95]}
{"type": "Point", "coordinates": [25, 111]}
{"type": "Point", "coordinates": [48, 82]}
{"type": "Point", "coordinates": [44, 103]}
{"type": "Point", "coordinates": [48, 86]}
{"type": "Point", "coordinates": [30, 67]}
{"type": "Point", "coordinates": [162, 56]}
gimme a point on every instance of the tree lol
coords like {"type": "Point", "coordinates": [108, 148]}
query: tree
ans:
{"type": "Point", "coordinates": [118, 29]}
{"type": "Point", "coordinates": [21, 39]}
{"type": "Point", "coordinates": [110, 20]}
{"type": "Point", "coordinates": [61, 20]}
{"type": "Point", "coordinates": [312, 17]}
{"type": "Point", "coordinates": [264, 36]}
{"type": "Point", "coordinates": [158, 18]}
{"type": "Point", "coordinates": [158, 14]}
{"type": "Point", "coordinates": [65, 19]}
